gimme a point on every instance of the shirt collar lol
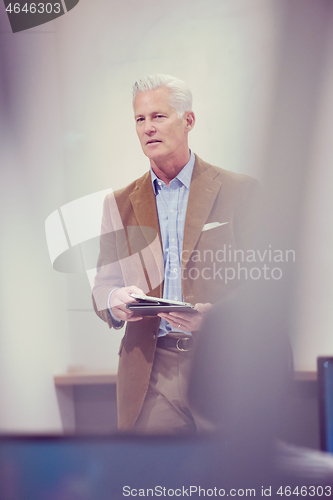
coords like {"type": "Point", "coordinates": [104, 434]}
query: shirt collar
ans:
{"type": "Point", "coordinates": [184, 175]}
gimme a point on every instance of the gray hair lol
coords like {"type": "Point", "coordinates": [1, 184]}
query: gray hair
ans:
{"type": "Point", "coordinates": [180, 93]}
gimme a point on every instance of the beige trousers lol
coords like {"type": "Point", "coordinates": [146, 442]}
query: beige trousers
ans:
{"type": "Point", "coordinates": [166, 409]}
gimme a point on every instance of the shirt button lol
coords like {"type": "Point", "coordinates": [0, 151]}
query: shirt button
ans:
{"type": "Point", "coordinates": [172, 210]}
{"type": "Point", "coordinates": [172, 239]}
{"type": "Point", "coordinates": [160, 183]}
{"type": "Point", "coordinates": [176, 298]}
{"type": "Point", "coordinates": [174, 269]}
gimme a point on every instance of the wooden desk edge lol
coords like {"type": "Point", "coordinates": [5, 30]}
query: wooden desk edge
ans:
{"type": "Point", "coordinates": [91, 378]}
{"type": "Point", "coordinates": [306, 376]}
{"type": "Point", "coordinates": [85, 378]}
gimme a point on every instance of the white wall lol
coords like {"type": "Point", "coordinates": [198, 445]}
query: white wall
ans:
{"type": "Point", "coordinates": [67, 131]}
{"type": "Point", "coordinates": [34, 330]}
{"type": "Point", "coordinates": [314, 319]}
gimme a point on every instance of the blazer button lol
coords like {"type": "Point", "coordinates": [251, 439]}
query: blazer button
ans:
{"type": "Point", "coordinates": [154, 336]}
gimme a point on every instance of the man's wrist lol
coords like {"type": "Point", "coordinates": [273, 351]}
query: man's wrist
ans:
{"type": "Point", "coordinates": [116, 323]}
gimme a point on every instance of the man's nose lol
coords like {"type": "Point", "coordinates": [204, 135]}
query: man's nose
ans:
{"type": "Point", "coordinates": [149, 127]}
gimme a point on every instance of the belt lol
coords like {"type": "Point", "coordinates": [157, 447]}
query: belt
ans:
{"type": "Point", "coordinates": [181, 344]}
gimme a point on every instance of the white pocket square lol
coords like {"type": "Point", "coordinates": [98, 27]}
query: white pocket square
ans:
{"type": "Point", "coordinates": [212, 225]}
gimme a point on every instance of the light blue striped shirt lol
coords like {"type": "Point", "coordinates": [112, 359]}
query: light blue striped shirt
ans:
{"type": "Point", "coordinates": [171, 204]}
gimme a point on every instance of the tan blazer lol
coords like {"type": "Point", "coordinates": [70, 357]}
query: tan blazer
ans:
{"type": "Point", "coordinates": [219, 219]}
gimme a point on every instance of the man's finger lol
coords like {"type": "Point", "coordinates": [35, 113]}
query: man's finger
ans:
{"type": "Point", "coordinates": [203, 308]}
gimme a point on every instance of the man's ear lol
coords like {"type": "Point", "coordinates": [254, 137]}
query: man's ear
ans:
{"type": "Point", "coordinates": [189, 116]}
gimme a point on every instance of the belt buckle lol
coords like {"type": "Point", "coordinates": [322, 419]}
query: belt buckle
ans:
{"type": "Point", "coordinates": [180, 348]}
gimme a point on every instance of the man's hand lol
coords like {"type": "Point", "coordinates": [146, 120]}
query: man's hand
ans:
{"type": "Point", "coordinates": [187, 321]}
{"type": "Point", "coordinates": [118, 300]}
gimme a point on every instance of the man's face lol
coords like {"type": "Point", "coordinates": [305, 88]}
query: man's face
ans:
{"type": "Point", "coordinates": [162, 134]}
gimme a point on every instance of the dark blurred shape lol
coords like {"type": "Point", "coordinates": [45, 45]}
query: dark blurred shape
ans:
{"type": "Point", "coordinates": [242, 360]}
{"type": "Point", "coordinates": [241, 379]}
{"type": "Point", "coordinates": [33, 15]}
{"type": "Point", "coordinates": [103, 468]}
{"type": "Point", "coordinates": [70, 4]}
{"type": "Point", "coordinates": [325, 396]}
{"type": "Point", "coordinates": [242, 371]}
{"type": "Point", "coordinates": [24, 15]}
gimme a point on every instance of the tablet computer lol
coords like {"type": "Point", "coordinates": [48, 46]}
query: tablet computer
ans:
{"type": "Point", "coordinates": [150, 306]}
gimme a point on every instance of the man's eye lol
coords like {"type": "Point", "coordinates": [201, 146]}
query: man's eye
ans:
{"type": "Point", "coordinates": [138, 120]}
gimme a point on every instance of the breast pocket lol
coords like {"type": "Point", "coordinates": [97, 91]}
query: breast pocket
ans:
{"type": "Point", "coordinates": [215, 242]}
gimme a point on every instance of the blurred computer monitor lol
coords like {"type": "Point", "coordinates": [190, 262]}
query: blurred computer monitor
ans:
{"type": "Point", "coordinates": [325, 392]}
{"type": "Point", "coordinates": [102, 467]}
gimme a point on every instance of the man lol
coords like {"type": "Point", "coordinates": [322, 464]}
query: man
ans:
{"type": "Point", "coordinates": [200, 213]}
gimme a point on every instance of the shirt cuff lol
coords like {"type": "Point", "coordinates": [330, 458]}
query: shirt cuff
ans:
{"type": "Point", "coordinates": [116, 323]}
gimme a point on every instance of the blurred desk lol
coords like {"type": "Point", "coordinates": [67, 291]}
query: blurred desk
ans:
{"type": "Point", "coordinates": [88, 404]}
{"type": "Point", "coordinates": [305, 376]}
{"type": "Point", "coordinates": [87, 401]}
{"type": "Point", "coordinates": [85, 378]}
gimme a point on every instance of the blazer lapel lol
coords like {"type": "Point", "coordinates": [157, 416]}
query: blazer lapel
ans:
{"type": "Point", "coordinates": [144, 206]}
{"type": "Point", "coordinates": [203, 192]}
